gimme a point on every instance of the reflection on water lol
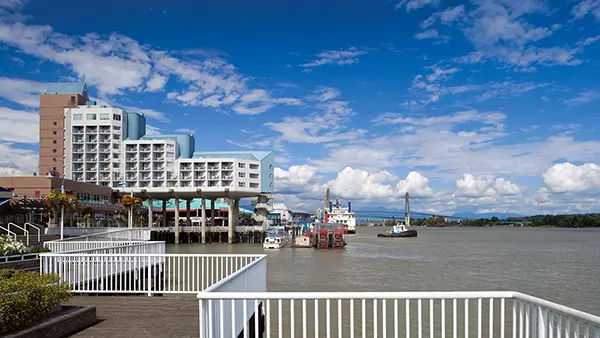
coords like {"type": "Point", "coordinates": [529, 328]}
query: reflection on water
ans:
{"type": "Point", "coordinates": [558, 264]}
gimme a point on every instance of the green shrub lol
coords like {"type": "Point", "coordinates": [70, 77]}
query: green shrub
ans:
{"type": "Point", "coordinates": [28, 296]}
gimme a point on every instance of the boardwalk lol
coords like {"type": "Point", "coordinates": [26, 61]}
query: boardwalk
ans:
{"type": "Point", "coordinates": [141, 316]}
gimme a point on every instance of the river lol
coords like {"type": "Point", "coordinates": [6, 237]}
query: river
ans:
{"type": "Point", "coordinates": [562, 265]}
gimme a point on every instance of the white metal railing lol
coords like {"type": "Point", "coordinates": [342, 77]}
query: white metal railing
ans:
{"type": "Point", "coordinates": [137, 272]}
{"type": "Point", "coordinates": [213, 315]}
{"type": "Point", "coordinates": [391, 314]}
{"type": "Point", "coordinates": [62, 247]}
{"type": "Point", "coordinates": [38, 228]}
{"type": "Point", "coordinates": [25, 231]}
{"type": "Point", "coordinates": [8, 232]}
{"type": "Point", "coordinates": [129, 234]}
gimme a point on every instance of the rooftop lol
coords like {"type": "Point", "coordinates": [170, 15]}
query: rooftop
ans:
{"type": "Point", "coordinates": [67, 88]}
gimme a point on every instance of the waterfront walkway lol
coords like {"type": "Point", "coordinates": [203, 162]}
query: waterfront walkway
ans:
{"type": "Point", "coordinates": [141, 316]}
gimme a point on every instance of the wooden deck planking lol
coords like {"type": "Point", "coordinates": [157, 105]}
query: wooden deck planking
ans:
{"type": "Point", "coordinates": [141, 316]}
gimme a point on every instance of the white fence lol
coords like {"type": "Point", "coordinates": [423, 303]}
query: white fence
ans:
{"type": "Point", "coordinates": [114, 234]}
{"type": "Point", "coordinates": [79, 231]}
{"type": "Point", "coordinates": [63, 247]}
{"type": "Point", "coordinates": [393, 314]}
{"type": "Point", "coordinates": [237, 314]}
{"type": "Point", "coordinates": [129, 269]}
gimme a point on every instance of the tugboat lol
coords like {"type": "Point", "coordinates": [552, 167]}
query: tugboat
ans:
{"type": "Point", "coordinates": [400, 230]}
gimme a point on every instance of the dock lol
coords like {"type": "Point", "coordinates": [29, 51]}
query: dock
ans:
{"type": "Point", "coordinates": [140, 316]}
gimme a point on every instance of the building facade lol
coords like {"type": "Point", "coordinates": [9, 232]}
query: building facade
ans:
{"type": "Point", "coordinates": [93, 144]}
{"type": "Point", "coordinates": [109, 147]}
{"type": "Point", "coordinates": [53, 102]}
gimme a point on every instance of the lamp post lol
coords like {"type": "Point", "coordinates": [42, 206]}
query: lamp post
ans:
{"type": "Point", "coordinates": [130, 209]}
{"type": "Point", "coordinates": [62, 207]}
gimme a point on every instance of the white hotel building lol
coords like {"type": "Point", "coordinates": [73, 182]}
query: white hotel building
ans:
{"type": "Point", "coordinates": [108, 147]}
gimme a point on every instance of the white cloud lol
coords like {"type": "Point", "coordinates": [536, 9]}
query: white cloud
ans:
{"type": "Point", "coordinates": [114, 64]}
{"type": "Point", "coordinates": [584, 97]}
{"type": "Point", "coordinates": [446, 17]}
{"type": "Point", "coordinates": [410, 5]}
{"type": "Point", "coordinates": [152, 131]}
{"type": "Point", "coordinates": [432, 34]}
{"type": "Point", "coordinates": [486, 186]}
{"type": "Point", "coordinates": [326, 124]}
{"type": "Point", "coordinates": [16, 161]}
{"type": "Point", "coordinates": [19, 126]}
{"type": "Point", "coordinates": [336, 57]}
{"type": "Point", "coordinates": [586, 7]}
{"type": "Point", "coordinates": [356, 183]}
{"type": "Point", "coordinates": [159, 116]}
{"type": "Point", "coordinates": [298, 178]}
{"type": "Point", "coordinates": [185, 131]}
{"type": "Point", "coordinates": [24, 92]}
{"type": "Point", "coordinates": [569, 178]}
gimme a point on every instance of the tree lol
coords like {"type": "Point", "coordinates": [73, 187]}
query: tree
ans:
{"type": "Point", "coordinates": [494, 219]}
{"type": "Point", "coordinates": [86, 215]}
{"type": "Point", "coordinates": [130, 203]}
{"type": "Point", "coordinates": [55, 200]}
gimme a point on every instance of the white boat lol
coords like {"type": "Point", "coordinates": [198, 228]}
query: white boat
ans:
{"type": "Point", "coordinates": [274, 241]}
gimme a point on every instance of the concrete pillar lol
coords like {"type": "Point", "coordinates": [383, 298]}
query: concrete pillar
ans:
{"type": "Point", "coordinates": [150, 212]}
{"type": "Point", "coordinates": [230, 217]}
{"type": "Point", "coordinates": [176, 220]}
{"type": "Point", "coordinates": [188, 219]}
{"type": "Point", "coordinates": [203, 221]}
{"type": "Point", "coordinates": [236, 212]}
{"type": "Point", "coordinates": [164, 213]}
{"type": "Point", "coordinates": [212, 212]}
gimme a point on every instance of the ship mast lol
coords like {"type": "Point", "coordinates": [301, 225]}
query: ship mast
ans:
{"type": "Point", "coordinates": [406, 211]}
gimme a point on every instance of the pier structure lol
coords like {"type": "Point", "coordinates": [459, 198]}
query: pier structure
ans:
{"type": "Point", "coordinates": [233, 300]}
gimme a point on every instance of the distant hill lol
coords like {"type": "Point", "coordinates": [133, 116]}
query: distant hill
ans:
{"type": "Point", "coordinates": [486, 215]}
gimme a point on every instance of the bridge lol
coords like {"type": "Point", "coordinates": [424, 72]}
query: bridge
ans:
{"type": "Point", "coordinates": [233, 300]}
{"type": "Point", "coordinates": [376, 216]}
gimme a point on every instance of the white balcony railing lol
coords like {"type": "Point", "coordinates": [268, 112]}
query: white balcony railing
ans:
{"type": "Point", "coordinates": [390, 314]}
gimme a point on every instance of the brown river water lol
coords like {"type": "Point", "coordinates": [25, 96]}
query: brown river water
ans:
{"type": "Point", "coordinates": [561, 265]}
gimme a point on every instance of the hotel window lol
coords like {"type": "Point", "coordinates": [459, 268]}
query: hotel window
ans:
{"type": "Point", "coordinates": [90, 117]}
{"type": "Point", "coordinates": [241, 165]}
{"type": "Point", "coordinates": [72, 99]}
{"type": "Point", "coordinates": [77, 117]}
{"type": "Point", "coordinates": [104, 116]}
{"type": "Point", "coordinates": [241, 174]}
{"type": "Point", "coordinates": [241, 184]}
{"type": "Point", "coordinates": [116, 117]}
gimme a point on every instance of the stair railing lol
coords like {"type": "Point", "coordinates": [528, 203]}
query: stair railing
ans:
{"type": "Point", "coordinates": [25, 231]}
{"type": "Point", "coordinates": [39, 230]}
{"type": "Point", "coordinates": [8, 231]}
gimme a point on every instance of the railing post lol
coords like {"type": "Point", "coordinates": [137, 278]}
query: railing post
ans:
{"type": "Point", "coordinates": [542, 320]}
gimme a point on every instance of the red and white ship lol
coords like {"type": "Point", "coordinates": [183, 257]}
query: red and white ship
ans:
{"type": "Point", "coordinates": [337, 213]}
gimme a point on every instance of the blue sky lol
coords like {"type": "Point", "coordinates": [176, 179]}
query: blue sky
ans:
{"type": "Point", "coordinates": [470, 106]}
